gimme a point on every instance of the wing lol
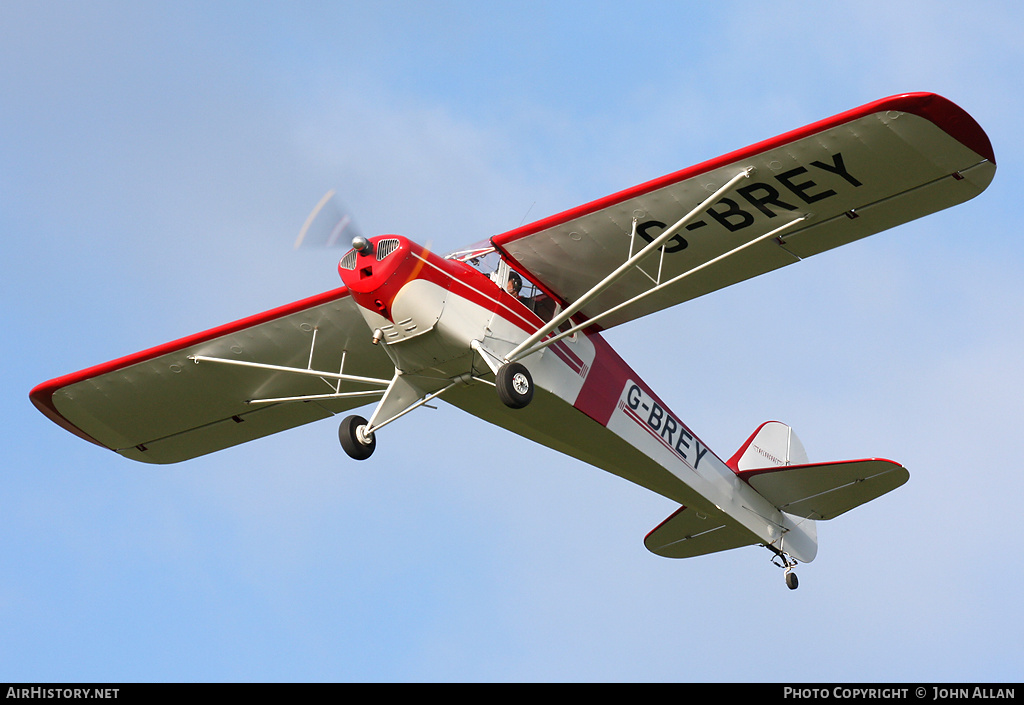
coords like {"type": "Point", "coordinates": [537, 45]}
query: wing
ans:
{"type": "Point", "coordinates": [161, 406]}
{"type": "Point", "coordinates": [830, 183]}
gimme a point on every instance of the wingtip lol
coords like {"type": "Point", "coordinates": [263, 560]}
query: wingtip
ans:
{"type": "Point", "coordinates": [41, 397]}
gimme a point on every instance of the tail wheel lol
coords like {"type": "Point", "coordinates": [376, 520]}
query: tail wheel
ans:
{"type": "Point", "coordinates": [791, 580]}
{"type": "Point", "coordinates": [787, 563]}
{"type": "Point", "coordinates": [515, 385]}
{"type": "Point", "coordinates": [354, 440]}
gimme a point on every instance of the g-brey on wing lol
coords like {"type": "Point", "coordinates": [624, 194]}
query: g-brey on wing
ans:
{"type": "Point", "coordinates": [849, 176]}
{"type": "Point", "coordinates": [159, 406]}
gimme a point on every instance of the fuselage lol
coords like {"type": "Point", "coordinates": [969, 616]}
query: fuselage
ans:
{"type": "Point", "coordinates": [438, 317]}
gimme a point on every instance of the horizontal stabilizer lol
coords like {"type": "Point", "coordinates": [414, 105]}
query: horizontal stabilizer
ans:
{"type": "Point", "coordinates": [689, 533]}
{"type": "Point", "coordinates": [826, 490]}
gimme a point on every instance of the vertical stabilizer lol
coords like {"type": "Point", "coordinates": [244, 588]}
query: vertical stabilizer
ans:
{"type": "Point", "coordinates": [772, 445]}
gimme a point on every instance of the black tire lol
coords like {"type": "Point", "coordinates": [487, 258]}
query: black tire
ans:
{"type": "Point", "coordinates": [515, 385]}
{"type": "Point", "coordinates": [356, 449]}
{"type": "Point", "coordinates": [791, 581]}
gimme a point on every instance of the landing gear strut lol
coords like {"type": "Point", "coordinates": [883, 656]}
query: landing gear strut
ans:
{"type": "Point", "coordinates": [354, 439]}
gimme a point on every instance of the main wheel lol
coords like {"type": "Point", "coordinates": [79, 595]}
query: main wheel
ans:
{"type": "Point", "coordinates": [515, 385]}
{"type": "Point", "coordinates": [791, 580]}
{"type": "Point", "coordinates": [353, 440]}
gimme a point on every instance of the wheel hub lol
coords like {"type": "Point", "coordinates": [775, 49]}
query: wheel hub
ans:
{"type": "Point", "coordinates": [362, 436]}
{"type": "Point", "coordinates": [520, 383]}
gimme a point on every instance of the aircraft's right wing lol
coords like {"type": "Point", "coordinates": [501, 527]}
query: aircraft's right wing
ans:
{"type": "Point", "coordinates": [161, 406]}
{"type": "Point", "coordinates": [831, 182]}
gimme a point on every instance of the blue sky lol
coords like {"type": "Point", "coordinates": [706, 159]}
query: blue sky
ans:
{"type": "Point", "coordinates": [156, 163]}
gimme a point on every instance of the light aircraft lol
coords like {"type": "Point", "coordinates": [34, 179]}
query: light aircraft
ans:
{"type": "Point", "coordinates": [510, 330]}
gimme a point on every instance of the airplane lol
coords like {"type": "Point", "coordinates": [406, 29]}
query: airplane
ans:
{"type": "Point", "coordinates": [510, 330]}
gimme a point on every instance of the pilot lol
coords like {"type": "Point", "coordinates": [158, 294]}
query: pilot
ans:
{"type": "Point", "coordinates": [514, 284]}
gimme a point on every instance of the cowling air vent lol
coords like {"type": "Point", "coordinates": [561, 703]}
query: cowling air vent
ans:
{"type": "Point", "coordinates": [386, 247]}
{"type": "Point", "coordinates": [349, 260]}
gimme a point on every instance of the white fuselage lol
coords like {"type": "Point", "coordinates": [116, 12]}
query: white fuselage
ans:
{"type": "Point", "coordinates": [439, 324]}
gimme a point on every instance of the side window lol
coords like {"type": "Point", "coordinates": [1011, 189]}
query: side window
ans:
{"type": "Point", "coordinates": [528, 293]}
{"type": "Point", "coordinates": [486, 260]}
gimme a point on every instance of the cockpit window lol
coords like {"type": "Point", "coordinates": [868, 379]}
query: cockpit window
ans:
{"type": "Point", "coordinates": [483, 258]}
{"type": "Point", "coordinates": [487, 260]}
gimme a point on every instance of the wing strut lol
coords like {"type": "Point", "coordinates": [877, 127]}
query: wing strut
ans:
{"type": "Point", "coordinates": [527, 346]}
{"type": "Point", "coordinates": [339, 376]}
{"type": "Point", "coordinates": [591, 321]}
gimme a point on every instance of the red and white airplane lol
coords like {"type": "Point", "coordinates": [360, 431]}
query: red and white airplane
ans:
{"type": "Point", "coordinates": [510, 330]}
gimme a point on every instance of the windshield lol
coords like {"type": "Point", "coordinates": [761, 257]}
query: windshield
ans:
{"type": "Point", "coordinates": [482, 257]}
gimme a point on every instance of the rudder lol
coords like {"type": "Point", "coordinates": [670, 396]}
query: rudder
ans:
{"type": "Point", "coordinates": [772, 445]}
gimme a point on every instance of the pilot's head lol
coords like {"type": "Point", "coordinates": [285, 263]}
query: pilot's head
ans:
{"type": "Point", "coordinates": [514, 284]}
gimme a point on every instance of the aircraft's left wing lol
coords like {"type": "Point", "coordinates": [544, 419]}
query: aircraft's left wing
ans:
{"type": "Point", "coordinates": [161, 406]}
{"type": "Point", "coordinates": [829, 183]}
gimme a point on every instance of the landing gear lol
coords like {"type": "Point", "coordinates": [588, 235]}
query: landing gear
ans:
{"type": "Point", "coordinates": [515, 385]}
{"type": "Point", "coordinates": [354, 440]}
{"type": "Point", "coordinates": [791, 580]}
{"type": "Point", "coordinates": [788, 563]}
